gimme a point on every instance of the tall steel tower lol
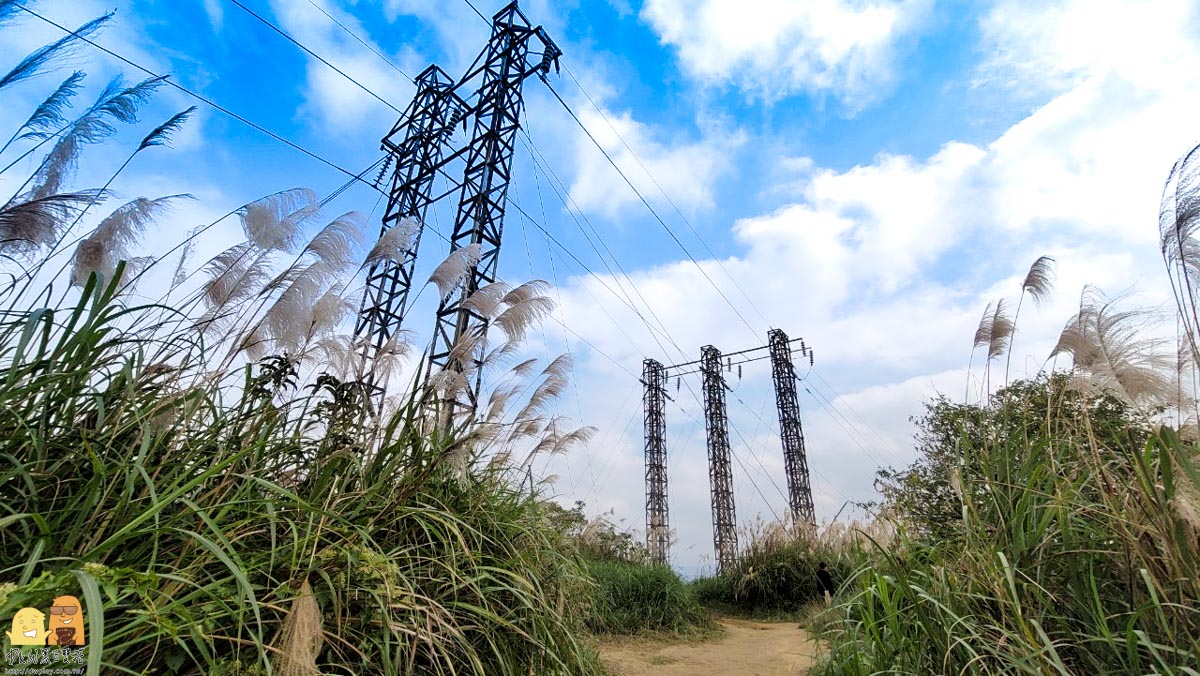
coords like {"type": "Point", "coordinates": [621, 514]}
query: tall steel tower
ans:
{"type": "Point", "coordinates": [419, 145]}
{"type": "Point", "coordinates": [795, 464]}
{"type": "Point", "coordinates": [460, 332]}
{"type": "Point", "coordinates": [654, 380]}
{"type": "Point", "coordinates": [720, 474]}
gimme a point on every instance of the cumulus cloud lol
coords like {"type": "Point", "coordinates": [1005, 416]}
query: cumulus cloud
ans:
{"type": "Point", "coordinates": [773, 48]}
{"type": "Point", "coordinates": [885, 267]}
{"type": "Point", "coordinates": [684, 170]}
{"type": "Point", "coordinates": [336, 102]}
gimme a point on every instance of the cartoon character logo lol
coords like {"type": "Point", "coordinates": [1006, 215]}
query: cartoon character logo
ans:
{"type": "Point", "coordinates": [28, 628]}
{"type": "Point", "coordinates": [66, 622]}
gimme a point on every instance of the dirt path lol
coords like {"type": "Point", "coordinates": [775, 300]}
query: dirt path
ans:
{"type": "Point", "coordinates": [745, 648]}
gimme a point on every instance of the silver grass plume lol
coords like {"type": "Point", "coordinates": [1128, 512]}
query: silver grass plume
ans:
{"type": "Point", "coordinates": [340, 242]}
{"type": "Point", "coordinates": [527, 305]}
{"type": "Point", "coordinates": [180, 275]}
{"type": "Point", "coordinates": [37, 61]}
{"type": "Point", "coordinates": [288, 320]}
{"type": "Point", "coordinates": [234, 276]}
{"type": "Point", "coordinates": [486, 299]}
{"type": "Point", "coordinates": [275, 221]}
{"type": "Point", "coordinates": [1000, 330]}
{"type": "Point", "coordinates": [1110, 355]}
{"type": "Point", "coordinates": [1039, 281]}
{"type": "Point", "coordinates": [450, 272]}
{"type": "Point", "coordinates": [393, 244]}
{"type": "Point", "coordinates": [30, 224]}
{"type": "Point", "coordinates": [49, 114]}
{"type": "Point", "coordinates": [7, 9]}
{"type": "Point", "coordinates": [553, 384]}
{"type": "Point", "coordinates": [983, 333]}
{"type": "Point", "coordinates": [300, 637]}
{"type": "Point", "coordinates": [1178, 219]}
{"type": "Point", "coordinates": [161, 135]}
{"type": "Point", "coordinates": [115, 237]}
{"type": "Point", "coordinates": [116, 102]}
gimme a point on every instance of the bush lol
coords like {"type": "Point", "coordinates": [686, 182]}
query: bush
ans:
{"type": "Point", "coordinates": [1075, 551]}
{"type": "Point", "coordinates": [777, 575]}
{"type": "Point", "coordinates": [216, 524]}
{"type": "Point", "coordinates": [632, 598]}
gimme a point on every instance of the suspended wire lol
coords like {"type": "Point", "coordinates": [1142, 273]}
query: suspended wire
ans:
{"type": "Point", "coordinates": [361, 41]}
{"type": "Point", "coordinates": [878, 436]}
{"type": "Point", "coordinates": [313, 54]}
{"type": "Point", "coordinates": [650, 208]}
{"type": "Point", "coordinates": [810, 467]}
{"type": "Point", "coordinates": [199, 97]}
{"type": "Point", "coordinates": [481, 16]}
{"type": "Point", "coordinates": [678, 211]}
{"type": "Point", "coordinates": [564, 197]}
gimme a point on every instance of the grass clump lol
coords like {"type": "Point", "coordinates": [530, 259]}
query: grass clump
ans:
{"type": "Point", "coordinates": [633, 598]}
{"type": "Point", "coordinates": [1071, 550]}
{"type": "Point", "coordinates": [777, 575]}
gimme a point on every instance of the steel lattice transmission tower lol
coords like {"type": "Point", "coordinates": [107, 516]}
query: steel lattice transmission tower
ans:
{"type": "Point", "coordinates": [654, 379]}
{"type": "Point", "coordinates": [720, 474]}
{"type": "Point", "coordinates": [416, 144]}
{"type": "Point", "coordinates": [795, 462]}
{"type": "Point", "coordinates": [459, 335]}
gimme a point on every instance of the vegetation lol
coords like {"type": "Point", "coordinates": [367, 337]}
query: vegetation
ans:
{"type": "Point", "coordinates": [775, 576]}
{"type": "Point", "coordinates": [1052, 527]}
{"type": "Point", "coordinates": [209, 471]}
{"type": "Point", "coordinates": [631, 595]}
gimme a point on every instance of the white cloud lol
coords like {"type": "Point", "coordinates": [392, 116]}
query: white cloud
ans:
{"type": "Point", "coordinates": [885, 267]}
{"type": "Point", "coordinates": [340, 104]}
{"type": "Point", "coordinates": [684, 170]}
{"type": "Point", "coordinates": [778, 47]}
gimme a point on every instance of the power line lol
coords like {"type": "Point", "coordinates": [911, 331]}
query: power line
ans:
{"type": "Point", "coordinates": [361, 41]}
{"type": "Point", "coordinates": [199, 97]}
{"type": "Point", "coordinates": [664, 193]}
{"type": "Point", "coordinates": [650, 208]}
{"type": "Point", "coordinates": [313, 54]}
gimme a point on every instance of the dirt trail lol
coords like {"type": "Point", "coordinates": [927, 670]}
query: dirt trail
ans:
{"type": "Point", "coordinates": [745, 648]}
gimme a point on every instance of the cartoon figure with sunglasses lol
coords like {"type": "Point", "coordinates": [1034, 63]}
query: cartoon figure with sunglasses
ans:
{"type": "Point", "coordinates": [66, 622]}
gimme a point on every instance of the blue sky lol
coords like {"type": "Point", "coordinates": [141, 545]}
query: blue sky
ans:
{"type": "Point", "coordinates": [869, 172]}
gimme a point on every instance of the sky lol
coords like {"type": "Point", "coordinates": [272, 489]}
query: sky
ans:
{"type": "Point", "coordinates": [865, 174]}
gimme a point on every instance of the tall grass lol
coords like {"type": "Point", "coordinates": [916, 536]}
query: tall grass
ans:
{"type": "Point", "coordinates": [1072, 557]}
{"type": "Point", "coordinates": [777, 574]}
{"type": "Point", "coordinates": [1055, 526]}
{"type": "Point", "coordinates": [209, 473]}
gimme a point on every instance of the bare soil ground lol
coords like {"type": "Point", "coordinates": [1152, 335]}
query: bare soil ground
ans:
{"type": "Point", "coordinates": [746, 648]}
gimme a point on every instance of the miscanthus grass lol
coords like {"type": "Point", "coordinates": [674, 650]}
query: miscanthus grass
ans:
{"type": "Point", "coordinates": [191, 448]}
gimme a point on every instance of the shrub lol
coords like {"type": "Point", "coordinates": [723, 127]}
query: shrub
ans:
{"type": "Point", "coordinates": [632, 598]}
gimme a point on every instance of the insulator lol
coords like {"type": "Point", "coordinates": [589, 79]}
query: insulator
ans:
{"type": "Point", "coordinates": [456, 114]}
{"type": "Point", "coordinates": [547, 59]}
{"type": "Point", "coordinates": [676, 383]}
{"type": "Point", "coordinates": [729, 363]}
{"type": "Point", "coordinates": [802, 348]}
{"type": "Point", "coordinates": [739, 371]}
{"type": "Point", "coordinates": [387, 164]}
{"type": "Point", "coordinates": [810, 358]}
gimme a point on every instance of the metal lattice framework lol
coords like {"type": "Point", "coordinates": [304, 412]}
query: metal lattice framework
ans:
{"type": "Point", "coordinates": [459, 335]}
{"type": "Point", "coordinates": [795, 463]}
{"type": "Point", "coordinates": [416, 144]}
{"type": "Point", "coordinates": [654, 379]}
{"type": "Point", "coordinates": [720, 475]}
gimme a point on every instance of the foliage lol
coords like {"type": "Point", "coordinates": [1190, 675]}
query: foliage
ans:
{"type": "Point", "coordinates": [1076, 548]}
{"type": "Point", "coordinates": [635, 597]}
{"type": "Point", "coordinates": [777, 573]}
{"type": "Point", "coordinates": [923, 497]}
{"type": "Point", "coordinates": [210, 472]}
